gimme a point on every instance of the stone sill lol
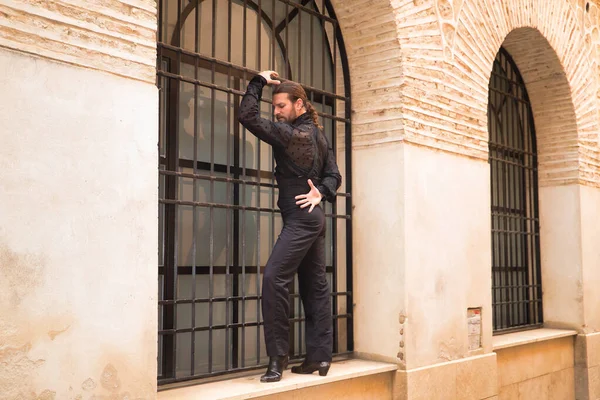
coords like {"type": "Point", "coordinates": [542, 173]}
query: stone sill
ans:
{"type": "Point", "coordinates": [250, 386]}
{"type": "Point", "coordinates": [527, 337]}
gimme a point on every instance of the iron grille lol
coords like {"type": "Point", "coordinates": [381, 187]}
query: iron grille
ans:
{"type": "Point", "coordinates": [217, 214]}
{"type": "Point", "coordinates": [516, 278]}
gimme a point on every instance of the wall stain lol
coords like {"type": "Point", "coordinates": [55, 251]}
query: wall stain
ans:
{"type": "Point", "coordinates": [449, 350]}
{"type": "Point", "coordinates": [17, 369]}
{"type": "Point", "coordinates": [54, 334]}
{"type": "Point", "coordinates": [89, 384]}
{"type": "Point", "coordinates": [47, 395]}
{"type": "Point", "coordinates": [19, 275]}
{"type": "Point", "coordinates": [110, 380]}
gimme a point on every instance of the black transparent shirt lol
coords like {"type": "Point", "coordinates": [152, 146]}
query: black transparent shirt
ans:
{"type": "Point", "coordinates": [300, 148]}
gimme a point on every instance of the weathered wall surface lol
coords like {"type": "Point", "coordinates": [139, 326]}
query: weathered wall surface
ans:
{"type": "Point", "coordinates": [78, 207]}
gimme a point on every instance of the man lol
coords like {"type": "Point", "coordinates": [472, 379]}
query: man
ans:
{"type": "Point", "coordinates": [306, 173]}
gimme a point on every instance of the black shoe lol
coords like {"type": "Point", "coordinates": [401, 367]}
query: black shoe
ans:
{"type": "Point", "coordinates": [309, 368]}
{"type": "Point", "coordinates": [275, 369]}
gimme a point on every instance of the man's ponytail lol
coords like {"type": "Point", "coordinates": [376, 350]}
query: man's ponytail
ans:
{"type": "Point", "coordinates": [313, 114]}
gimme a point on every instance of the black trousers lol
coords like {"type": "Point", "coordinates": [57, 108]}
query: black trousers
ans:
{"type": "Point", "coordinates": [300, 249]}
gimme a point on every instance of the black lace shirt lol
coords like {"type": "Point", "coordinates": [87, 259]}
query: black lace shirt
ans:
{"type": "Point", "coordinates": [300, 148]}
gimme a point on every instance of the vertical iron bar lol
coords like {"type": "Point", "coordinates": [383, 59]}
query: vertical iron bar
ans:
{"type": "Point", "coordinates": [491, 156]}
{"type": "Point", "coordinates": [514, 203]}
{"type": "Point", "coordinates": [501, 220]}
{"type": "Point", "coordinates": [176, 214]}
{"type": "Point", "coordinates": [299, 78]}
{"type": "Point", "coordinates": [506, 216]}
{"type": "Point", "coordinates": [312, 51]}
{"type": "Point", "coordinates": [494, 204]}
{"type": "Point", "coordinates": [287, 46]}
{"type": "Point", "coordinates": [324, 45]}
{"type": "Point", "coordinates": [175, 167]}
{"type": "Point", "coordinates": [258, 191]}
{"type": "Point", "coordinates": [236, 232]}
{"type": "Point", "coordinates": [229, 200]}
{"type": "Point", "coordinates": [244, 188]}
{"type": "Point", "coordinates": [211, 249]}
{"type": "Point", "coordinates": [507, 238]}
{"type": "Point", "coordinates": [334, 208]}
{"type": "Point", "coordinates": [194, 189]}
{"type": "Point", "coordinates": [519, 105]}
{"type": "Point", "coordinates": [272, 163]}
{"type": "Point", "coordinates": [161, 116]}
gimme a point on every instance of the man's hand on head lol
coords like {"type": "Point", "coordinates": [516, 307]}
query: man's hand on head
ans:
{"type": "Point", "coordinates": [270, 77]}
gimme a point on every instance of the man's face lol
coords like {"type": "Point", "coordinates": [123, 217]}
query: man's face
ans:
{"type": "Point", "coordinates": [284, 109]}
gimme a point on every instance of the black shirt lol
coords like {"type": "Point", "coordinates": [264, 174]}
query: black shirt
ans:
{"type": "Point", "coordinates": [301, 150]}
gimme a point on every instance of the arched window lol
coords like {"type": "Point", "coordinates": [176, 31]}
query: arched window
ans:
{"type": "Point", "coordinates": [218, 218]}
{"type": "Point", "coordinates": [516, 275]}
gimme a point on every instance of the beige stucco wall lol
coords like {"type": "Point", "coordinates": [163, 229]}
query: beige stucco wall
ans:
{"type": "Point", "coordinates": [78, 208]}
{"type": "Point", "coordinates": [590, 238]}
{"type": "Point", "coordinates": [78, 242]}
{"type": "Point", "coordinates": [447, 236]}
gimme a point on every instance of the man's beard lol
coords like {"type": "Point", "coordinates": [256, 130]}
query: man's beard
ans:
{"type": "Point", "coordinates": [291, 118]}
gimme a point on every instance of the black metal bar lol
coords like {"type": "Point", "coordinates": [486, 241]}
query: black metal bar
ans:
{"type": "Point", "coordinates": [258, 190]}
{"type": "Point", "coordinates": [211, 244]}
{"type": "Point", "coordinates": [299, 78]}
{"type": "Point", "coordinates": [224, 64]}
{"type": "Point", "coordinates": [238, 325]}
{"type": "Point", "coordinates": [220, 269]}
{"type": "Point", "coordinates": [243, 200]}
{"type": "Point", "coordinates": [234, 207]}
{"type": "Point", "coordinates": [295, 12]}
{"type": "Point", "coordinates": [236, 230]}
{"type": "Point", "coordinates": [232, 298]}
{"type": "Point", "coordinates": [175, 248]}
{"type": "Point", "coordinates": [272, 161]}
{"type": "Point", "coordinates": [229, 353]}
{"type": "Point", "coordinates": [197, 39]}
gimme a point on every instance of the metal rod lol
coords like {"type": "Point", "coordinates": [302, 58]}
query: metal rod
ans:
{"type": "Point", "coordinates": [258, 196]}
{"type": "Point", "coordinates": [211, 242]}
{"type": "Point", "coordinates": [194, 193]}
{"type": "Point", "coordinates": [228, 216]}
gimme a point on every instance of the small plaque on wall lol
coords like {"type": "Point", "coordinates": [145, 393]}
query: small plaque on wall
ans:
{"type": "Point", "coordinates": [474, 328]}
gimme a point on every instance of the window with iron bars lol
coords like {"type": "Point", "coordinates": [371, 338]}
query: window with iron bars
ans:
{"type": "Point", "coordinates": [516, 270]}
{"type": "Point", "coordinates": [217, 199]}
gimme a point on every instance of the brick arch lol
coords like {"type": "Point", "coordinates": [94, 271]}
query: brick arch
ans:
{"type": "Point", "coordinates": [540, 36]}
{"type": "Point", "coordinates": [555, 117]}
{"type": "Point", "coordinates": [448, 48]}
{"type": "Point", "coordinates": [374, 61]}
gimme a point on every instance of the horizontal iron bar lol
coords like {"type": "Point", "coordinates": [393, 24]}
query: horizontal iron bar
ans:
{"type": "Point", "coordinates": [515, 287]}
{"type": "Point", "coordinates": [225, 179]}
{"type": "Point", "coordinates": [234, 92]}
{"type": "Point", "coordinates": [234, 207]}
{"type": "Point", "coordinates": [233, 298]}
{"type": "Point", "coordinates": [168, 332]}
{"type": "Point", "coordinates": [518, 328]}
{"type": "Point", "coordinates": [516, 302]}
{"type": "Point", "coordinates": [250, 71]}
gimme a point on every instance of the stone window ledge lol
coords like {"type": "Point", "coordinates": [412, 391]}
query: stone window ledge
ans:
{"type": "Point", "coordinates": [527, 337]}
{"type": "Point", "coordinates": [250, 386]}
